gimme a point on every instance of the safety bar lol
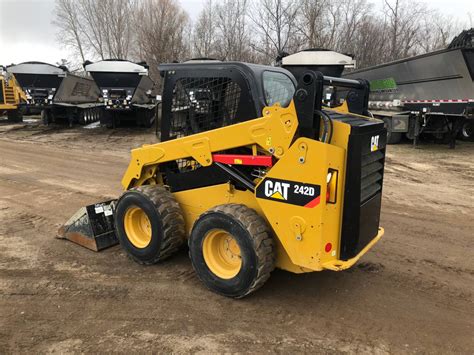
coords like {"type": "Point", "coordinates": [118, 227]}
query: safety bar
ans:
{"type": "Point", "coordinates": [339, 265]}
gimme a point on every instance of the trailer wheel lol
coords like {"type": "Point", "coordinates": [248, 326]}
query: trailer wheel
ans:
{"type": "Point", "coordinates": [45, 117]}
{"type": "Point", "coordinates": [467, 131]}
{"type": "Point", "coordinates": [392, 137]}
{"type": "Point", "coordinates": [15, 116]}
{"type": "Point", "coordinates": [232, 250]}
{"type": "Point", "coordinates": [149, 224]}
{"type": "Point", "coordinates": [82, 118]}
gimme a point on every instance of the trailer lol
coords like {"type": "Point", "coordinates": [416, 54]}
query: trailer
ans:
{"type": "Point", "coordinates": [59, 94]}
{"type": "Point", "coordinates": [126, 91]}
{"type": "Point", "coordinates": [327, 62]}
{"type": "Point", "coordinates": [430, 94]}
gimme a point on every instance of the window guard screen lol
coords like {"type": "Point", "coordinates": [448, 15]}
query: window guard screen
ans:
{"type": "Point", "coordinates": [202, 104]}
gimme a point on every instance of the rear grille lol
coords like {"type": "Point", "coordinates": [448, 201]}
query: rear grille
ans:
{"type": "Point", "coordinates": [363, 184]}
{"type": "Point", "coordinates": [371, 175]}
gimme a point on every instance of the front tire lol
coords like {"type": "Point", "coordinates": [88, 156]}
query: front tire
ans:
{"type": "Point", "coordinates": [232, 250]}
{"type": "Point", "coordinates": [149, 224]}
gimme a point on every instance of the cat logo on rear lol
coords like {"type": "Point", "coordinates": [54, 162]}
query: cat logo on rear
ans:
{"type": "Point", "coordinates": [374, 143]}
{"type": "Point", "coordinates": [276, 189]}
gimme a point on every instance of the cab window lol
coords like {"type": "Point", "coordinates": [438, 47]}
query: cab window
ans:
{"type": "Point", "coordinates": [278, 87]}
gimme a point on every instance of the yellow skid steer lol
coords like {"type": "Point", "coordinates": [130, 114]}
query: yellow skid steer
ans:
{"type": "Point", "coordinates": [11, 97]}
{"type": "Point", "coordinates": [253, 172]}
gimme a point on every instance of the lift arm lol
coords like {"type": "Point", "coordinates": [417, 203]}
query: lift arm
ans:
{"type": "Point", "coordinates": [273, 132]}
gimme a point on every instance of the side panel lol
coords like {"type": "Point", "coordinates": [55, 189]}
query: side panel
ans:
{"type": "Point", "coordinates": [77, 89]}
{"type": "Point", "coordinates": [140, 96]}
{"type": "Point", "coordinates": [442, 75]}
{"type": "Point", "coordinates": [305, 224]}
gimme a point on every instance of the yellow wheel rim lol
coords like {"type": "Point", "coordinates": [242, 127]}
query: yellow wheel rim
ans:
{"type": "Point", "coordinates": [222, 254]}
{"type": "Point", "coordinates": [137, 227]}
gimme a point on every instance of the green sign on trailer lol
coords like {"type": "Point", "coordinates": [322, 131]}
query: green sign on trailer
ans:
{"type": "Point", "coordinates": [383, 85]}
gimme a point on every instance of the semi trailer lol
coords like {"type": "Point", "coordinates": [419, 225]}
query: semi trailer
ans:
{"type": "Point", "coordinates": [59, 94]}
{"type": "Point", "coordinates": [429, 94]}
{"type": "Point", "coordinates": [125, 90]}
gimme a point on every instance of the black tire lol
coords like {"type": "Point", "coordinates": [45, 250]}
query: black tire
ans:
{"type": "Point", "coordinates": [165, 218]}
{"type": "Point", "coordinates": [392, 137]}
{"type": "Point", "coordinates": [466, 132]}
{"type": "Point", "coordinates": [45, 117]}
{"type": "Point", "coordinates": [15, 116]}
{"type": "Point", "coordinates": [82, 117]}
{"type": "Point", "coordinates": [143, 118]}
{"type": "Point", "coordinates": [253, 237]}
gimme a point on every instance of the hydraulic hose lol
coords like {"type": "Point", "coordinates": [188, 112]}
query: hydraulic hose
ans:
{"type": "Point", "coordinates": [328, 127]}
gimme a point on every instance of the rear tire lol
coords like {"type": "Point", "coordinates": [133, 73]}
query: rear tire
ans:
{"type": "Point", "coordinates": [149, 224]}
{"type": "Point", "coordinates": [232, 250]}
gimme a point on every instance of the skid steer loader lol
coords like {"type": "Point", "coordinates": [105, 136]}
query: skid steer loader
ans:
{"type": "Point", "coordinates": [254, 173]}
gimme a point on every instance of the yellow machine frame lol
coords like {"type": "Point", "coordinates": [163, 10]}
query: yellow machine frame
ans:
{"type": "Point", "coordinates": [303, 235]}
{"type": "Point", "coordinates": [12, 93]}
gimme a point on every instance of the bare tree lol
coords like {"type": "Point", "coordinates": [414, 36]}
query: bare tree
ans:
{"type": "Point", "coordinates": [275, 21]}
{"type": "Point", "coordinates": [403, 26]}
{"type": "Point", "coordinates": [205, 32]}
{"type": "Point", "coordinates": [250, 30]}
{"type": "Point", "coordinates": [108, 26]}
{"type": "Point", "coordinates": [67, 19]}
{"type": "Point", "coordinates": [370, 44]}
{"type": "Point", "coordinates": [312, 22]}
{"type": "Point", "coordinates": [353, 14]}
{"type": "Point", "coordinates": [100, 28]}
{"type": "Point", "coordinates": [233, 34]}
{"type": "Point", "coordinates": [163, 33]}
{"type": "Point", "coordinates": [437, 31]}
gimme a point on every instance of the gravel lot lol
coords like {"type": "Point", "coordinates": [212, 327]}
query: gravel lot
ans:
{"type": "Point", "coordinates": [413, 293]}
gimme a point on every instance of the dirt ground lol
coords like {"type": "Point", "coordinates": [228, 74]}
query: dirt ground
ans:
{"type": "Point", "coordinates": [413, 293]}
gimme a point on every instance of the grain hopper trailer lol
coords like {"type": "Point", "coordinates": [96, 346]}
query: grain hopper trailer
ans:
{"type": "Point", "coordinates": [328, 62]}
{"type": "Point", "coordinates": [331, 64]}
{"type": "Point", "coordinates": [430, 94]}
{"type": "Point", "coordinates": [252, 173]}
{"type": "Point", "coordinates": [11, 97]}
{"type": "Point", "coordinates": [126, 91]}
{"type": "Point", "coordinates": [59, 94]}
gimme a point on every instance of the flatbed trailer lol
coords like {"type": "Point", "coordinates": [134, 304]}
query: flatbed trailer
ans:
{"type": "Point", "coordinates": [125, 90]}
{"type": "Point", "coordinates": [59, 94]}
{"type": "Point", "coordinates": [430, 94]}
